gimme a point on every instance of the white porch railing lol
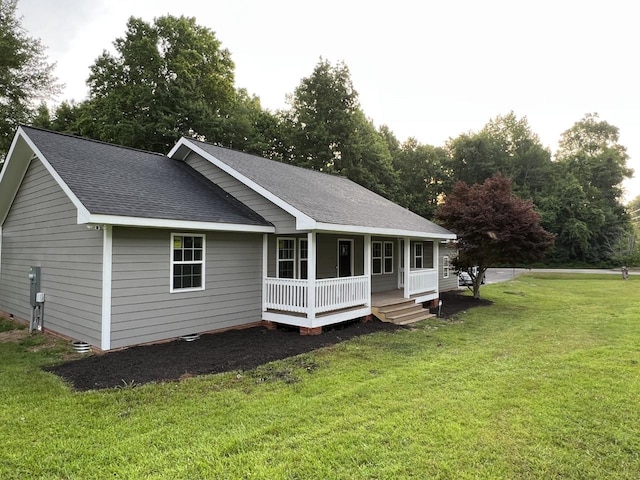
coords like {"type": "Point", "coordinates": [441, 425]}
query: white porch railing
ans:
{"type": "Point", "coordinates": [286, 294]}
{"type": "Point", "coordinates": [423, 280]}
{"type": "Point", "coordinates": [291, 295]}
{"type": "Point", "coordinates": [343, 292]}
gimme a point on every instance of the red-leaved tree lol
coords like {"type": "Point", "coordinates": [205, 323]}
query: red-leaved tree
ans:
{"type": "Point", "coordinates": [493, 226]}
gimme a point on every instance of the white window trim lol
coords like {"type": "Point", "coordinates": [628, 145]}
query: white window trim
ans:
{"type": "Point", "coordinates": [416, 256]}
{"type": "Point", "coordinates": [300, 259]}
{"type": "Point", "coordinates": [202, 262]}
{"type": "Point", "coordinates": [445, 266]}
{"type": "Point", "coordinates": [381, 257]}
{"type": "Point", "coordinates": [278, 259]}
{"type": "Point", "coordinates": [384, 257]}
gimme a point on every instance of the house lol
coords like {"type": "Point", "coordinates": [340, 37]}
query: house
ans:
{"type": "Point", "coordinates": [129, 247]}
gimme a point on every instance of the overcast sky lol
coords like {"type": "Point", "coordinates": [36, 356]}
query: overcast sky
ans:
{"type": "Point", "coordinates": [430, 70]}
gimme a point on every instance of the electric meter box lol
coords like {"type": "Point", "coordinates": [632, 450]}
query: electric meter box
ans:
{"type": "Point", "coordinates": [34, 284]}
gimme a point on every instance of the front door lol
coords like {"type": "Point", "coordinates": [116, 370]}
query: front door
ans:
{"type": "Point", "coordinates": [345, 258]}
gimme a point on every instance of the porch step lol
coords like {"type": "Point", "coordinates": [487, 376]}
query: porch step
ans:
{"type": "Point", "coordinates": [401, 312]}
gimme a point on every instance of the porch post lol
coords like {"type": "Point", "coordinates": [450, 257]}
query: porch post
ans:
{"type": "Point", "coordinates": [436, 256]}
{"type": "Point", "coordinates": [265, 266]}
{"type": "Point", "coordinates": [367, 266]}
{"type": "Point", "coordinates": [407, 266]}
{"type": "Point", "coordinates": [311, 277]}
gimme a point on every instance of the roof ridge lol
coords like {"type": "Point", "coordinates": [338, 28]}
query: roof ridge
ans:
{"type": "Point", "coordinates": [87, 139]}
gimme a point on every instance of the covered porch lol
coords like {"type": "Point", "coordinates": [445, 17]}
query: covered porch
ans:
{"type": "Point", "coordinates": [368, 270]}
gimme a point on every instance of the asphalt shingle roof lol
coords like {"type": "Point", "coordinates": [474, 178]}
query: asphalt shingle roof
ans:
{"type": "Point", "coordinates": [113, 180]}
{"type": "Point", "coordinates": [325, 198]}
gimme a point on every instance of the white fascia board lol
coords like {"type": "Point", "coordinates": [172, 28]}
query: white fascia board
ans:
{"type": "Point", "coordinates": [82, 210]}
{"type": "Point", "coordinates": [168, 223]}
{"type": "Point", "coordinates": [302, 219]}
{"type": "Point", "coordinates": [387, 232]}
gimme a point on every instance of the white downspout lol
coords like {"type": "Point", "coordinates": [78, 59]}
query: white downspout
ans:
{"type": "Point", "coordinates": [107, 270]}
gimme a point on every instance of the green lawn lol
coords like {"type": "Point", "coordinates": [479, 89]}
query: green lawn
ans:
{"type": "Point", "coordinates": [543, 384]}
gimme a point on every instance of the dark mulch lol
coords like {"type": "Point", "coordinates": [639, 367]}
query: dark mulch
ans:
{"type": "Point", "coordinates": [221, 352]}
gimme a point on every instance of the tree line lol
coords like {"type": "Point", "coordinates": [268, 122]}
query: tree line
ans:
{"type": "Point", "coordinates": [172, 77]}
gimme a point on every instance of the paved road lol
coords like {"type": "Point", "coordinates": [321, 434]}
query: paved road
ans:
{"type": "Point", "coordinates": [495, 275]}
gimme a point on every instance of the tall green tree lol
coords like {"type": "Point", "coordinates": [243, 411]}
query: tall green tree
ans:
{"type": "Point", "coordinates": [493, 225]}
{"type": "Point", "coordinates": [166, 79]}
{"type": "Point", "coordinates": [584, 206]}
{"type": "Point", "coordinates": [26, 78]}
{"type": "Point", "coordinates": [505, 145]}
{"type": "Point", "coordinates": [328, 131]}
{"type": "Point", "coordinates": [422, 176]}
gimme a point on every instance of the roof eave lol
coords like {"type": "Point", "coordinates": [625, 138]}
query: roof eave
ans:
{"type": "Point", "coordinates": [382, 231]}
{"type": "Point", "coordinates": [118, 220]}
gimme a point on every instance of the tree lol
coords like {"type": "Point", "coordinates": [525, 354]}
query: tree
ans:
{"type": "Point", "coordinates": [328, 131]}
{"type": "Point", "coordinates": [168, 79]}
{"type": "Point", "coordinates": [505, 145]}
{"type": "Point", "coordinates": [584, 201]}
{"type": "Point", "coordinates": [26, 78]}
{"type": "Point", "coordinates": [493, 225]}
{"type": "Point", "coordinates": [422, 176]}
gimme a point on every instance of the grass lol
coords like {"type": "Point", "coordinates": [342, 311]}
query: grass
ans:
{"type": "Point", "coordinates": [6, 325]}
{"type": "Point", "coordinates": [543, 384]}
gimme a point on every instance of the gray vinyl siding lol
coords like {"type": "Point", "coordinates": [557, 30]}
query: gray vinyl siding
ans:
{"type": "Point", "coordinates": [450, 283]}
{"type": "Point", "coordinates": [144, 310]}
{"type": "Point", "coordinates": [41, 230]}
{"type": "Point", "coordinates": [282, 221]}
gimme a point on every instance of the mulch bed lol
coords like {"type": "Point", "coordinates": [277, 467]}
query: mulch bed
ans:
{"type": "Point", "coordinates": [222, 352]}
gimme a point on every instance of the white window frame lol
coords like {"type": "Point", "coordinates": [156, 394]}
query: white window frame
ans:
{"type": "Point", "coordinates": [301, 258]}
{"type": "Point", "coordinates": [385, 257]}
{"type": "Point", "coordinates": [187, 262]}
{"type": "Point", "coordinates": [416, 256]}
{"type": "Point", "coordinates": [373, 257]}
{"type": "Point", "coordinates": [278, 259]}
{"type": "Point", "coordinates": [445, 266]}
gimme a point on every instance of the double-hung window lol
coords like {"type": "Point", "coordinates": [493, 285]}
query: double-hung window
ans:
{"type": "Point", "coordinates": [381, 257]}
{"type": "Point", "coordinates": [417, 255]}
{"type": "Point", "coordinates": [286, 257]}
{"type": "Point", "coordinates": [388, 257]}
{"type": "Point", "coordinates": [303, 258]}
{"type": "Point", "coordinates": [187, 262]}
{"type": "Point", "coordinates": [445, 266]}
{"type": "Point", "coordinates": [376, 258]}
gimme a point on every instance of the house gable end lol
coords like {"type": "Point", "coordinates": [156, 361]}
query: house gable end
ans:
{"type": "Point", "coordinates": [20, 155]}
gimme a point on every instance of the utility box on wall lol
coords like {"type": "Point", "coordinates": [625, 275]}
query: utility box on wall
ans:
{"type": "Point", "coordinates": [34, 282]}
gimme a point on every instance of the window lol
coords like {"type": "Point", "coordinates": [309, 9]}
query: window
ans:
{"type": "Point", "coordinates": [303, 258]}
{"type": "Point", "coordinates": [376, 258]}
{"type": "Point", "coordinates": [417, 255]}
{"type": "Point", "coordinates": [388, 257]}
{"type": "Point", "coordinates": [286, 257]}
{"type": "Point", "coordinates": [445, 267]}
{"type": "Point", "coordinates": [187, 262]}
